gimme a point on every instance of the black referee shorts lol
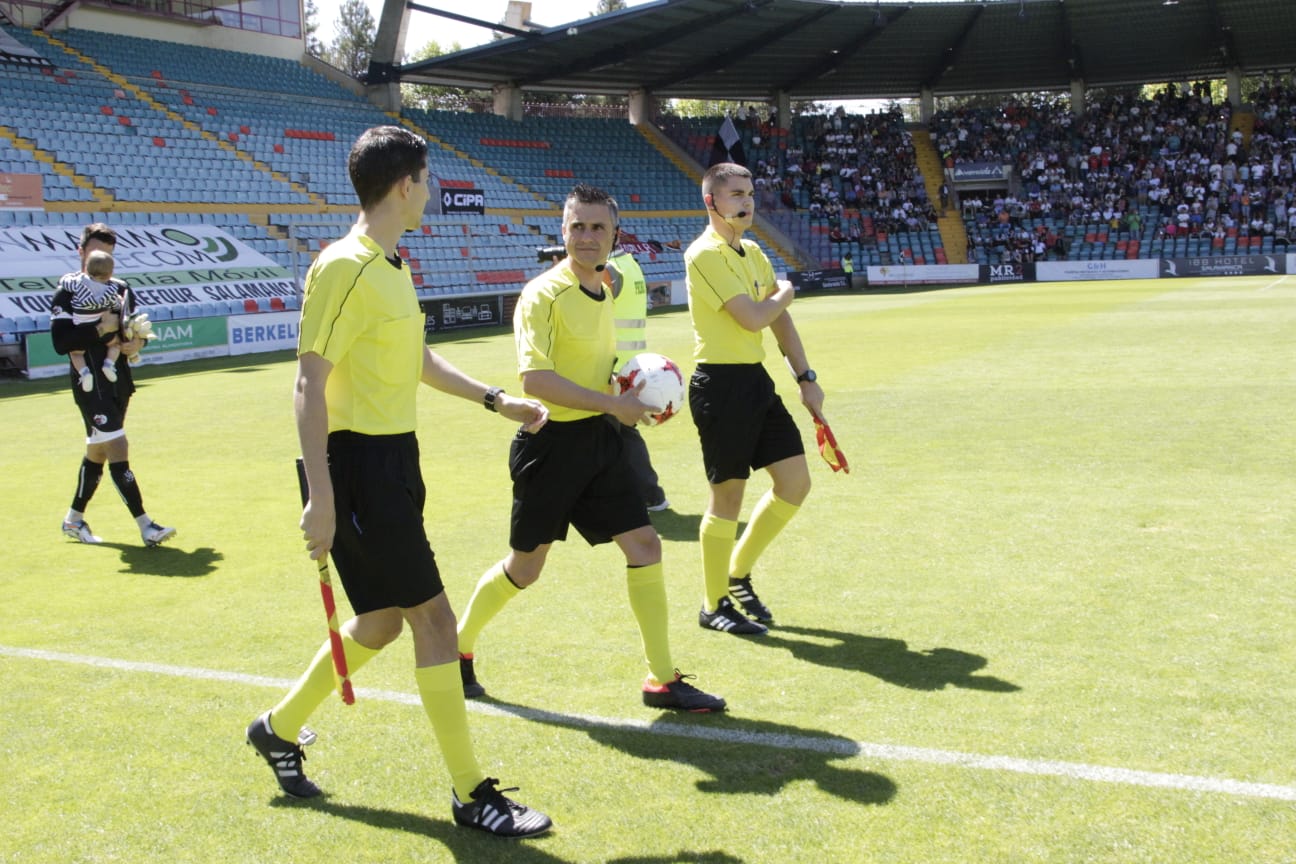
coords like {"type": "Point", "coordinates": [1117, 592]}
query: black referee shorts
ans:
{"type": "Point", "coordinates": [572, 473]}
{"type": "Point", "coordinates": [380, 550]}
{"type": "Point", "coordinates": [741, 421]}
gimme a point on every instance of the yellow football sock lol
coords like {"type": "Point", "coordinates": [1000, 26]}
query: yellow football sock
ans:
{"type": "Point", "coordinates": [647, 588]}
{"type": "Point", "coordinates": [315, 685]}
{"type": "Point", "coordinates": [716, 537]}
{"type": "Point", "coordinates": [442, 693]}
{"type": "Point", "coordinates": [493, 592]}
{"type": "Point", "coordinates": [770, 516]}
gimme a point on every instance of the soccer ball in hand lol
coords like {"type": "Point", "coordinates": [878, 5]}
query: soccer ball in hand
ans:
{"type": "Point", "coordinates": [664, 390]}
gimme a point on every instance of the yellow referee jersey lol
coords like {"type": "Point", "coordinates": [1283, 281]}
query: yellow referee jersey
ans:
{"type": "Point", "coordinates": [361, 314]}
{"type": "Point", "coordinates": [716, 273]}
{"type": "Point", "coordinates": [558, 326]}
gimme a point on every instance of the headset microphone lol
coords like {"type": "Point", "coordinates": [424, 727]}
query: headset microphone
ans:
{"type": "Point", "coordinates": [616, 233]}
{"type": "Point", "coordinates": [710, 202]}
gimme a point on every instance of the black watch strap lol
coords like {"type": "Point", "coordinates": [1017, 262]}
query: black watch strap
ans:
{"type": "Point", "coordinates": [808, 375]}
{"type": "Point", "coordinates": [489, 400]}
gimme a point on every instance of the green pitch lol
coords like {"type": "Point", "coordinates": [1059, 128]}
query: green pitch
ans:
{"type": "Point", "coordinates": [1048, 617]}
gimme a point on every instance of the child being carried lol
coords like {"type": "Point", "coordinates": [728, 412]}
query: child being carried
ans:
{"type": "Point", "coordinates": [95, 294]}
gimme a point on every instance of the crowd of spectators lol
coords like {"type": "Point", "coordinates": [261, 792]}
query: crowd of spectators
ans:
{"type": "Point", "coordinates": [856, 173]}
{"type": "Point", "coordinates": [1165, 167]}
{"type": "Point", "coordinates": [1171, 166]}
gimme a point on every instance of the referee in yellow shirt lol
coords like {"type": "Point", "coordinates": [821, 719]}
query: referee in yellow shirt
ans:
{"type": "Point", "coordinates": [360, 358]}
{"type": "Point", "coordinates": [575, 470]}
{"type": "Point", "coordinates": [742, 423]}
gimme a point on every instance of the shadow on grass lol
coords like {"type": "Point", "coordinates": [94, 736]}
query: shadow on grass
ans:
{"type": "Point", "coordinates": [680, 857]}
{"type": "Point", "coordinates": [166, 560]}
{"type": "Point", "coordinates": [888, 659]}
{"type": "Point", "coordinates": [465, 844]}
{"type": "Point", "coordinates": [742, 756]}
{"type": "Point", "coordinates": [676, 526]}
{"type": "Point", "coordinates": [481, 336]}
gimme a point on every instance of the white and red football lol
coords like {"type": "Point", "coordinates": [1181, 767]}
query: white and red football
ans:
{"type": "Point", "coordinates": [665, 389]}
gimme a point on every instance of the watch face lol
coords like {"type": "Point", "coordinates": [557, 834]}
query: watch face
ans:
{"type": "Point", "coordinates": [808, 375]}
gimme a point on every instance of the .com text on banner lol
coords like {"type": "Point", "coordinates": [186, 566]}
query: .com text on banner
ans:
{"type": "Point", "coordinates": [164, 265]}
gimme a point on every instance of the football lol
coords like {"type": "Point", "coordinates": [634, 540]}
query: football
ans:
{"type": "Point", "coordinates": [664, 390]}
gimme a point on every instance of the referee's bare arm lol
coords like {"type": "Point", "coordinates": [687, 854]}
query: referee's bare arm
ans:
{"type": "Point", "coordinates": [443, 375]}
{"type": "Point", "coordinates": [548, 385]}
{"type": "Point", "coordinates": [789, 342]}
{"type": "Point", "coordinates": [753, 315]}
{"type": "Point", "coordinates": [318, 522]}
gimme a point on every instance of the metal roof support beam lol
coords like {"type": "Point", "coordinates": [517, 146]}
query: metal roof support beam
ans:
{"type": "Point", "coordinates": [1069, 48]}
{"type": "Point", "coordinates": [501, 28]}
{"type": "Point", "coordinates": [723, 59]}
{"type": "Point", "coordinates": [846, 48]}
{"type": "Point", "coordinates": [383, 85]}
{"type": "Point", "coordinates": [949, 55]}
{"type": "Point", "coordinates": [946, 47]}
{"type": "Point", "coordinates": [389, 41]}
{"type": "Point", "coordinates": [1224, 34]}
{"type": "Point", "coordinates": [630, 49]}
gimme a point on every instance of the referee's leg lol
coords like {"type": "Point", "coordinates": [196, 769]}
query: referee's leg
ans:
{"type": "Point", "coordinates": [646, 587]}
{"type": "Point", "coordinates": [497, 586]}
{"type": "Point", "coordinates": [791, 478]}
{"type": "Point", "coordinates": [436, 672]}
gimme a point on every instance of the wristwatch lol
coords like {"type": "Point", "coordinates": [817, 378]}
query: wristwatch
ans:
{"type": "Point", "coordinates": [808, 375]}
{"type": "Point", "coordinates": [489, 400]}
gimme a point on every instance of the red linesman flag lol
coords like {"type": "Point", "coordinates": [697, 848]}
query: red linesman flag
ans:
{"type": "Point", "coordinates": [828, 448]}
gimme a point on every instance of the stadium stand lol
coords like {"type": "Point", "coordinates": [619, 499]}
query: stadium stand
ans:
{"type": "Point", "coordinates": [127, 148]}
{"type": "Point", "coordinates": [1171, 176]}
{"type": "Point", "coordinates": [139, 131]}
{"type": "Point", "coordinates": [833, 183]}
{"type": "Point", "coordinates": [549, 154]}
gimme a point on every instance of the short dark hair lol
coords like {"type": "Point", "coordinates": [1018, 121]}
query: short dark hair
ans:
{"type": "Point", "coordinates": [381, 157]}
{"type": "Point", "coordinates": [97, 231]}
{"type": "Point", "coordinates": [583, 193]}
{"type": "Point", "coordinates": [722, 172]}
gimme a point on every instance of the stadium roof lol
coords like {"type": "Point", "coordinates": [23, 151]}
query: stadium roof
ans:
{"type": "Point", "coordinates": [751, 49]}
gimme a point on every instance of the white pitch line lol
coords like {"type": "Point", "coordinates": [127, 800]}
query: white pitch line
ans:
{"type": "Point", "coordinates": [836, 746]}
